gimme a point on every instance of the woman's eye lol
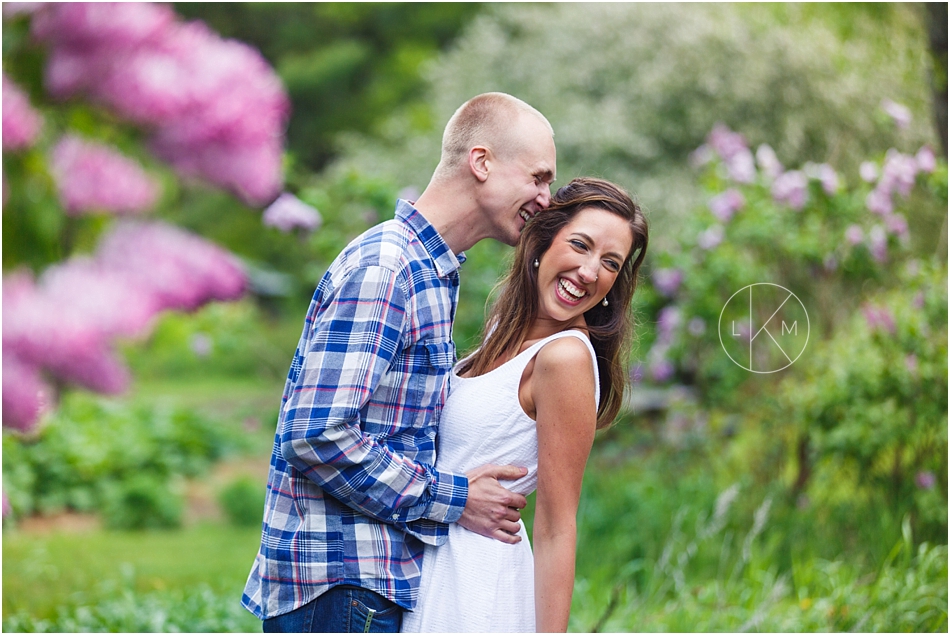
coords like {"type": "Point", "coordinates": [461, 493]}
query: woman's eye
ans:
{"type": "Point", "coordinates": [580, 245]}
{"type": "Point", "coordinates": [612, 265]}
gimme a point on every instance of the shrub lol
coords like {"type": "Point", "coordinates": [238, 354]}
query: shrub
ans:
{"type": "Point", "coordinates": [243, 501]}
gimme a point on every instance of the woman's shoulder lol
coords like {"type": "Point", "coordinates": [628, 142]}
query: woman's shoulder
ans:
{"type": "Point", "coordinates": [567, 353]}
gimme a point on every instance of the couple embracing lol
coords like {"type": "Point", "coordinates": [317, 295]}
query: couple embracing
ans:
{"type": "Point", "coordinates": [398, 476]}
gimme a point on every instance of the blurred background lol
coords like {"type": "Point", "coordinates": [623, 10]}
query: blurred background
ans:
{"type": "Point", "coordinates": [177, 177]}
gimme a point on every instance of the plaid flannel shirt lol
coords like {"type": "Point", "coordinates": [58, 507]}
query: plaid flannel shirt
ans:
{"type": "Point", "coordinates": [352, 495]}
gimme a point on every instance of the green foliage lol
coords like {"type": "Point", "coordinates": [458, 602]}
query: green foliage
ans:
{"type": "Point", "coordinates": [631, 89]}
{"type": "Point", "coordinates": [123, 459]}
{"type": "Point", "coordinates": [242, 501]}
{"type": "Point", "coordinates": [198, 610]}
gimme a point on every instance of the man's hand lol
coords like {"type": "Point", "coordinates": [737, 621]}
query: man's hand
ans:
{"type": "Point", "coordinates": [490, 509]}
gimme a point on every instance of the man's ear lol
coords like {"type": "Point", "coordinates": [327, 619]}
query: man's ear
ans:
{"type": "Point", "coordinates": [479, 158]}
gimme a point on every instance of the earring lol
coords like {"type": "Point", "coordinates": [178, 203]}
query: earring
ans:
{"type": "Point", "coordinates": [536, 263]}
{"type": "Point", "coordinates": [605, 303]}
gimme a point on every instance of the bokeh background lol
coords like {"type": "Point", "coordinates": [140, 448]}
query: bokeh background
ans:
{"type": "Point", "coordinates": [177, 177]}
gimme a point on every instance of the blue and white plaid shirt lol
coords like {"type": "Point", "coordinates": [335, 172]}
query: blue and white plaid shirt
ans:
{"type": "Point", "coordinates": [352, 494]}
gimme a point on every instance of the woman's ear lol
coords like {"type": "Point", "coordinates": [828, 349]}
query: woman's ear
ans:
{"type": "Point", "coordinates": [478, 162]}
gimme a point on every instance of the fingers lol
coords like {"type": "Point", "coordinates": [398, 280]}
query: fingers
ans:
{"type": "Point", "coordinates": [505, 537]}
{"type": "Point", "coordinates": [505, 472]}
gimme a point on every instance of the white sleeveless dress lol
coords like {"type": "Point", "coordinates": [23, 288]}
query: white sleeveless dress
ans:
{"type": "Point", "coordinates": [472, 583]}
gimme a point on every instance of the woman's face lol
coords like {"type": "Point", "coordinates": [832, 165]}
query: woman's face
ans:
{"type": "Point", "coordinates": [580, 266]}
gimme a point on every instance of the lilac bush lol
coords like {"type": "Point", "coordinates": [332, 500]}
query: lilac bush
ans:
{"type": "Point", "coordinates": [288, 213]}
{"type": "Point", "coordinates": [21, 123]}
{"type": "Point", "coordinates": [92, 177]}
{"type": "Point", "coordinates": [215, 109]}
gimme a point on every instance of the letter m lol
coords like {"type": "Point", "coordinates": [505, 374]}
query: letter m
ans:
{"type": "Point", "coordinates": [794, 327]}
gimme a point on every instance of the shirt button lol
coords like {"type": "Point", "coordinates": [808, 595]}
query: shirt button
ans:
{"type": "Point", "coordinates": [395, 516]}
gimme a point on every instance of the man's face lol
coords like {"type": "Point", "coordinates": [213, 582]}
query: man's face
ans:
{"type": "Point", "coordinates": [520, 183]}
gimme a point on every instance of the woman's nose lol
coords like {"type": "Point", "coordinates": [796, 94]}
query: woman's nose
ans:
{"type": "Point", "coordinates": [588, 272]}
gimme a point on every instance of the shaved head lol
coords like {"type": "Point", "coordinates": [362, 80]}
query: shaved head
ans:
{"type": "Point", "coordinates": [490, 120]}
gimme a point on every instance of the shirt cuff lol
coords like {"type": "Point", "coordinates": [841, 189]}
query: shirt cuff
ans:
{"type": "Point", "coordinates": [449, 493]}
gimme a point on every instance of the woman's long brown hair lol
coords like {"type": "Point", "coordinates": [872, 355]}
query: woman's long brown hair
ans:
{"type": "Point", "coordinates": [610, 327]}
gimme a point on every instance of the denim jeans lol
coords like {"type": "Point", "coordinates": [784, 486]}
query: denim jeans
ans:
{"type": "Point", "coordinates": [342, 609]}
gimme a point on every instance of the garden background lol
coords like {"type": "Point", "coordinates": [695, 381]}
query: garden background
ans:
{"type": "Point", "coordinates": [153, 295]}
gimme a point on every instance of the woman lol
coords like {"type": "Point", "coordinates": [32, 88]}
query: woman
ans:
{"type": "Point", "coordinates": [549, 372]}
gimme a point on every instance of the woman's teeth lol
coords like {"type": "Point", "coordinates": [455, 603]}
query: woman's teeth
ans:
{"type": "Point", "coordinates": [571, 289]}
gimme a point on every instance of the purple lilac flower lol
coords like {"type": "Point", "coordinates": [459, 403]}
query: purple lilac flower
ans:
{"type": "Point", "coordinates": [741, 167]}
{"type": "Point", "coordinates": [21, 123]}
{"type": "Point", "coordinates": [23, 393]}
{"type": "Point", "coordinates": [711, 238]}
{"type": "Point", "coordinates": [668, 320]}
{"type": "Point", "coordinates": [898, 112]}
{"type": "Point", "coordinates": [661, 370]}
{"type": "Point", "coordinates": [183, 271]}
{"type": "Point", "coordinates": [899, 173]}
{"type": "Point", "coordinates": [910, 362]}
{"type": "Point", "coordinates": [791, 188]}
{"type": "Point", "coordinates": [667, 281]}
{"type": "Point", "coordinates": [696, 326]}
{"type": "Point", "coordinates": [926, 161]}
{"type": "Point", "coordinates": [828, 178]}
{"type": "Point", "coordinates": [854, 235]}
{"type": "Point", "coordinates": [868, 171]}
{"type": "Point", "coordinates": [725, 142]}
{"type": "Point", "coordinates": [879, 318]}
{"type": "Point", "coordinates": [6, 501]}
{"type": "Point", "coordinates": [724, 205]}
{"type": "Point", "coordinates": [897, 225]}
{"type": "Point", "coordinates": [768, 161]}
{"type": "Point", "coordinates": [925, 479]}
{"type": "Point", "coordinates": [13, 9]}
{"type": "Point", "coordinates": [701, 156]}
{"type": "Point", "coordinates": [91, 177]}
{"type": "Point", "coordinates": [216, 109]}
{"type": "Point", "coordinates": [288, 213]}
{"type": "Point", "coordinates": [877, 243]}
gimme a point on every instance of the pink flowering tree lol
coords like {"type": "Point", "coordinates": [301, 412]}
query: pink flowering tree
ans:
{"type": "Point", "coordinates": [111, 113]}
{"type": "Point", "coordinates": [870, 389]}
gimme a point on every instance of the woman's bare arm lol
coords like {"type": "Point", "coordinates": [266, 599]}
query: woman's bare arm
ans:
{"type": "Point", "coordinates": [562, 387]}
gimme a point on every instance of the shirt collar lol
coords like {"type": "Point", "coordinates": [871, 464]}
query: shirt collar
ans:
{"type": "Point", "coordinates": [446, 262]}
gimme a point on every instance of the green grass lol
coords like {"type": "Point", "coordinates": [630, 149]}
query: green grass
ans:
{"type": "Point", "coordinates": [42, 573]}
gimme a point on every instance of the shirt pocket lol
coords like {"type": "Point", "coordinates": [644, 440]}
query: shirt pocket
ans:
{"type": "Point", "coordinates": [433, 360]}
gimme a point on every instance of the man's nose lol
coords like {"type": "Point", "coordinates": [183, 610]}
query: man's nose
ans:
{"type": "Point", "coordinates": [544, 196]}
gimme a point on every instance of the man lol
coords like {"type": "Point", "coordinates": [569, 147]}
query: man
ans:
{"type": "Point", "coordinates": [352, 494]}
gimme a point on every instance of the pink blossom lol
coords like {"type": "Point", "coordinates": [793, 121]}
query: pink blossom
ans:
{"type": "Point", "coordinates": [696, 326]}
{"type": "Point", "coordinates": [854, 234]}
{"type": "Point", "coordinates": [21, 123]}
{"type": "Point", "coordinates": [925, 479]}
{"type": "Point", "coordinates": [24, 393]}
{"type": "Point", "coordinates": [725, 142]}
{"type": "Point", "coordinates": [877, 243]}
{"type": "Point", "coordinates": [879, 318]}
{"type": "Point", "coordinates": [13, 9]}
{"type": "Point", "coordinates": [926, 161]}
{"type": "Point", "coordinates": [879, 201]}
{"type": "Point", "coordinates": [768, 161]}
{"type": "Point", "coordinates": [668, 320]}
{"type": "Point", "coordinates": [91, 177]}
{"type": "Point", "coordinates": [741, 167]}
{"type": "Point", "coordinates": [911, 364]}
{"type": "Point", "coordinates": [701, 156]}
{"type": "Point", "coordinates": [868, 171]}
{"type": "Point", "coordinates": [724, 205]}
{"type": "Point", "coordinates": [899, 173]}
{"type": "Point", "coordinates": [181, 270]}
{"type": "Point", "coordinates": [662, 370]}
{"type": "Point", "coordinates": [711, 237]}
{"type": "Point", "coordinates": [897, 225]}
{"type": "Point", "coordinates": [215, 108]}
{"type": "Point", "coordinates": [6, 501]}
{"type": "Point", "coordinates": [898, 112]}
{"type": "Point", "coordinates": [288, 213]}
{"type": "Point", "coordinates": [828, 178]}
{"type": "Point", "coordinates": [791, 188]}
{"type": "Point", "coordinates": [667, 281]}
